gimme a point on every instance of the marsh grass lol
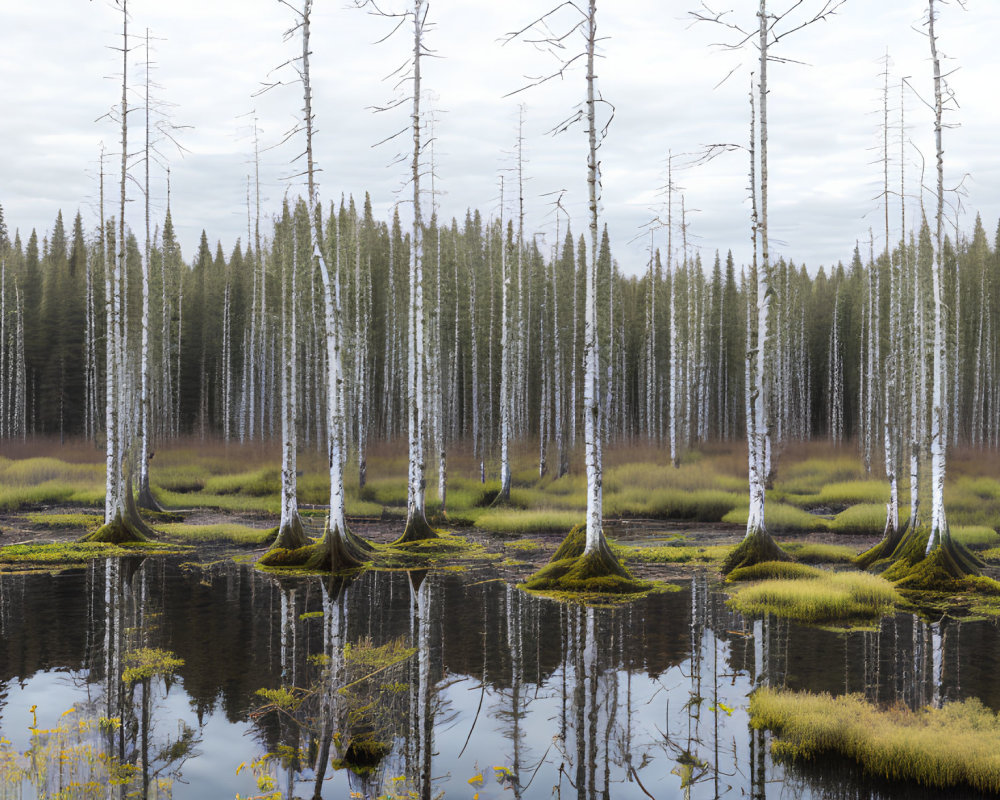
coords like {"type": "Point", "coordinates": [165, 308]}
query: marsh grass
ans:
{"type": "Point", "coordinates": [225, 532]}
{"type": "Point", "coordinates": [774, 570]}
{"type": "Point", "coordinates": [55, 521]}
{"type": "Point", "coordinates": [956, 745]}
{"type": "Point", "coordinates": [669, 554]}
{"type": "Point", "coordinates": [519, 521]}
{"type": "Point", "coordinates": [27, 556]}
{"type": "Point", "coordinates": [976, 537]}
{"type": "Point", "coordinates": [781, 517]}
{"type": "Point", "coordinates": [817, 553]}
{"type": "Point", "coordinates": [864, 519]}
{"type": "Point", "coordinates": [825, 597]}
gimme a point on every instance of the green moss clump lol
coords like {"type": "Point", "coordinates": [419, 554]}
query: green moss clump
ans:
{"type": "Point", "coordinates": [756, 547]}
{"type": "Point", "coordinates": [821, 597]}
{"type": "Point", "coordinates": [815, 553]}
{"type": "Point", "coordinates": [942, 570]}
{"type": "Point", "coordinates": [64, 521]}
{"type": "Point", "coordinates": [952, 746]}
{"type": "Point", "coordinates": [60, 554]}
{"type": "Point", "coordinates": [774, 570]}
{"type": "Point", "coordinates": [573, 570]}
{"type": "Point", "coordinates": [417, 529]}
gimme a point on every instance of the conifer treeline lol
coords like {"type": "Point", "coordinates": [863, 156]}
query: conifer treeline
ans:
{"type": "Point", "coordinates": [216, 324]}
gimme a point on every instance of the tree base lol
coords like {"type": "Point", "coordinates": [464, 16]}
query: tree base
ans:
{"type": "Point", "coordinates": [943, 569]}
{"type": "Point", "coordinates": [884, 550]}
{"type": "Point", "coordinates": [120, 530]}
{"type": "Point", "coordinates": [571, 570]}
{"type": "Point", "coordinates": [333, 554]}
{"type": "Point", "coordinates": [291, 536]}
{"type": "Point", "coordinates": [756, 548]}
{"type": "Point", "coordinates": [146, 500]}
{"type": "Point", "coordinates": [417, 530]}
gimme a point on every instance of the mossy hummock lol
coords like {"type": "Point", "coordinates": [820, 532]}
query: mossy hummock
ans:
{"type": "Point", "coordinates": [756, 548]}
{"type": "Point", "coordinates": [417, 530]}
{"type": "Point", "coordinates": [572, 570]}
{"type": "Point", "coordinates": [291, 535]}
{"type": "Point", "coordinates": [943, 569]}
{"type": "Point", "coordinates": [335, 552]}
{"type": "Point", "coordinates": [127, 525]}
{"type": "Point", "coordinates": [885, 548]}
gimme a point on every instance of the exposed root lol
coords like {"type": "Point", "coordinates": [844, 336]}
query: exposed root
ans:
{"type": "Point", "coordinates": [757, 547]}
{"type": "Point", "coordinates": [570, 570]}
{"type": "Point", "coordinates": [291, 536]}
{"type": "Point", "coordinates": [333, 553]}
{"type": "Point", "coordinates": [891, 541]}
{"type": "Point", "coordinates": [417, 530]}
{"type": "Point", "coordinates": [146, 500]}
{"type": "Point", "coordinates": [943, 569]}
{"type": "Point", "coordinates": [120, 530]}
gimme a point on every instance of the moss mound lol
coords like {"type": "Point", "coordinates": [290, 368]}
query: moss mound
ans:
{"type": "Point", "coordinates": [944, 569]}
{"type": "Point", "coordinates": [570, 570]}
{"type": "Point", "coordinates": [417, 530]}
{"type": "Point", "coordinates": [291, 536]}
{"type": "Point", "coordinates": [945, 747]}
{"type": "Point", "coordinates": [756, 548]}
{"type": "Point", "coordinates": [122, 529]}
{"type": "Point", "coordinates": [823, 597]}
{"type": "Point", "coordinates": [774, 570]}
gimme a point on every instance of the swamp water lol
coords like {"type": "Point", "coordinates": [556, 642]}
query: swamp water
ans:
{"type": "Point", "coordinates": [426, 683]}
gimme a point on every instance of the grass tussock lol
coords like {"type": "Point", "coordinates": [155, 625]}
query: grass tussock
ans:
{"type": "Point", "coordinates": [520, 521]}
{"type": "Point", "coordinates": [817, 553]}
{"type": "Point", "coordinates": [976, 537]}
{"type": "Point", "coordinates": [781, 518]}
{"type": "Point", "coordinates": [864, 519]}
{"type": "Point", "coordinates": [28, 556]}
{"type": "Point", "coordinates": [774, 570]}
{"type": "Point", "coordinates": [225, 532]}
{"type": "Point", "coordinates": [957, 745]}
{"type": "Point", "coordinates": [824, 597]}
{"type": "Point", "coordinates": [49, 521]}
{"type": "Point", "coordinates": [670, 554]}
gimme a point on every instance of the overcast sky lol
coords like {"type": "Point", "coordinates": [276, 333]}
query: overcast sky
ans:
{"type": "Point", "coordinates": [60, 75]}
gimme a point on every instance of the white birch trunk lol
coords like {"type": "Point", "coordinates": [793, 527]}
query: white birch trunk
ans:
{"type": "Point", "coordinates": [939, 523]}
{"type": "Point", "coordinates": [591, 399]}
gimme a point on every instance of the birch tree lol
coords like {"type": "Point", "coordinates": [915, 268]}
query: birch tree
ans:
{"type": "Point", "coordinates": [121, 518]}
{"type": "Point", "coordinates": [940, 553]}
{"type": "Point", "coordinates": [574, 566]}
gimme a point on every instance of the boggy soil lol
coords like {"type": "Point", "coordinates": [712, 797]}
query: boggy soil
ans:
{"type": "Point", "coordinates": [518, 562]}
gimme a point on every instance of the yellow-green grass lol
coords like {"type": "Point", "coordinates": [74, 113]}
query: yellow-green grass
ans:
{"type": "Point", "coordinates": [385, 491]}
{"type": "Point", "coordinates": [225, 532]}
{"type": "Point", "coordinates": [69, 553]}
{"type": "Point", "coordinates": [810, 475]}
{"type": "Point", "coordinates": [695, 476]}
{"type": "Point", "coordinates": [774, 570]}
{"type": "Point", "coordinates": [976, 537]}
{"type": "Point", "coordinates": [519, 521]}
{"type": "Point", "coordinates": [32, 481]}
{"type": "Point", "coordinates": [956, 745]}
{"type": "Point", "coordinates": [666, 554]}
{"type": "Point", "coordinates": [705, 505]}
{"type": "Point", "coordinates": [64, 521]}
{"type": "Point", "coordinates": [255, 483]}
{"type": "Point", "coordinates": [840, 493]}
{"type": "Point", "coordinates": [864, 519]}
{"type": "Point", "coordinates": [817, 553]}
{"type": "Point", "coordinates": [827, 597]}
{"type": "Point", "coordinates": [223, 502]}
{"type": "Point", "coordinates": [780, 517]}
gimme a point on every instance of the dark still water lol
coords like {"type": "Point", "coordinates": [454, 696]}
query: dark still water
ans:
{"type": "Point", "coordinates": [427, 683]}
